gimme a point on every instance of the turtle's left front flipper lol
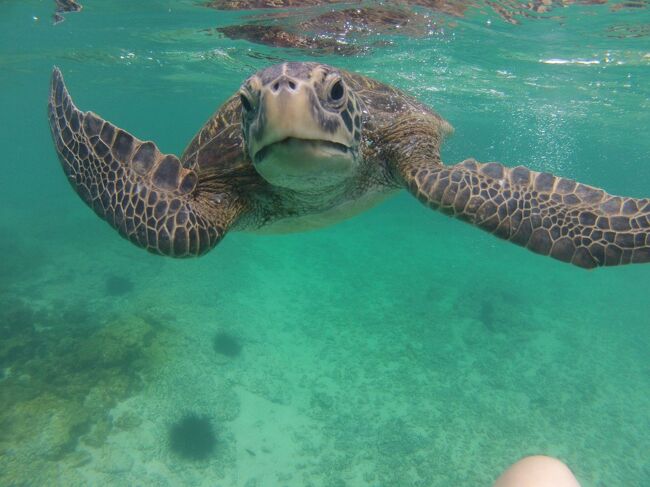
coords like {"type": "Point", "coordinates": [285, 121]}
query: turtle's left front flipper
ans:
{"type": "Point", "coordinates": [549, 215]}
{"type": "Point", "coordinates": [147, 196]}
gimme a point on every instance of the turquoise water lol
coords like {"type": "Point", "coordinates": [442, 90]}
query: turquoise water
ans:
{"type": "Point", "coordinates": [398, 348]}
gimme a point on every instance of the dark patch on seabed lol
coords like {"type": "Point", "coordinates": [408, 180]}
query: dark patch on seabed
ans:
{"type": "Point", "coordinates": [226, 344]}
{"type": "Point", "coordinates": [118, 286]}
{"type": "Point", "coordinates": [193, 437]}
{"type": "Point", "coordinates": [498, 310]}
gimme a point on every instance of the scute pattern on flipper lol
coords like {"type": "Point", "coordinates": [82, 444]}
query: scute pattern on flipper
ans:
{"type": "Point", "coordinates": [550, 215]}
{"type": "Point", "coordinates": [147, 196]}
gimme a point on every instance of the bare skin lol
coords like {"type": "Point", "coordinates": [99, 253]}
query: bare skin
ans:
{"type": "Point", "coordinates": [537, 471]}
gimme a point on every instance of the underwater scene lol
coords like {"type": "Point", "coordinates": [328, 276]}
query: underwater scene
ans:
{"type": "Point", "coordinates": [394, 347]}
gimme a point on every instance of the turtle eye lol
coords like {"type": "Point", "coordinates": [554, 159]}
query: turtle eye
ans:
{"type": "Point", "coordinates": [337, 90]}
{"type": "Point", "coordinates": [245, 102]}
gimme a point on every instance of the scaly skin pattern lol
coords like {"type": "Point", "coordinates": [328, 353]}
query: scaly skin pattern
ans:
{"type": "Point", "coordinates": [148, 197]}
{"type": "Point", "coordinates": [549, 215]}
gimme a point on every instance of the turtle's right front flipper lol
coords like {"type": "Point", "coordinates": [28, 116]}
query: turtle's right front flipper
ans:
{"type": "Point", "coordinates": [547, 214]}
{"type": "Point", "coordinates": [144, 194]}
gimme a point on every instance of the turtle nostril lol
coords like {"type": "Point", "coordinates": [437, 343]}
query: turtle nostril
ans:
{"type": "Point", "coordinates": [283, 82]}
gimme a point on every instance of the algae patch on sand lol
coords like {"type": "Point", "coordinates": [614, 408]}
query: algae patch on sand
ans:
{"type": "Point", "coordinates": [61, 380]}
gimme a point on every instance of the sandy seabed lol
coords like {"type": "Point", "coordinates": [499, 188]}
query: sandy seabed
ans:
{"type": "Point", "coordinates": [400, 348]}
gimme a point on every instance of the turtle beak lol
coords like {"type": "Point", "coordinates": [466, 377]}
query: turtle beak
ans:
{"type": "Point", "coordinates": [289, 109]}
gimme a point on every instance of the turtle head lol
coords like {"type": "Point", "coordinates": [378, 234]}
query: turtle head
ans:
{"type": "Point", "coordinates": [301, 124]}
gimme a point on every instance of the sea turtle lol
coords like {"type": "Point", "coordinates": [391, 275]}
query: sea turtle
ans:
{"type": "Point", "coordinates": [304, 145]}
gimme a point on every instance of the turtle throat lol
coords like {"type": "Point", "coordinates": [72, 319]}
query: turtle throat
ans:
{"type": "Point", "coordinates": [305, 164]}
